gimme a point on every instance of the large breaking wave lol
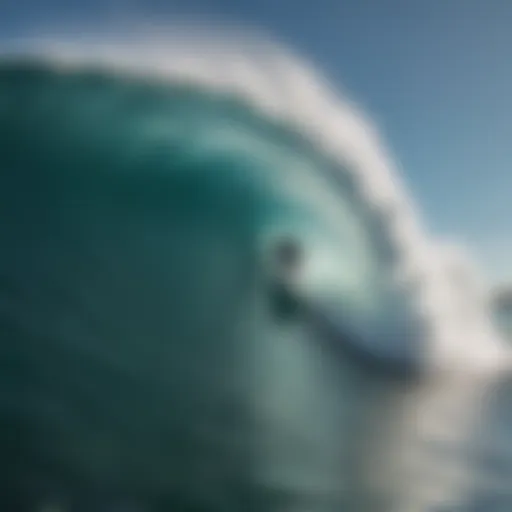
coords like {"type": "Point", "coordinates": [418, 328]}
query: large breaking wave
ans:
{"type": "Point", "coordinates": [264, 87]}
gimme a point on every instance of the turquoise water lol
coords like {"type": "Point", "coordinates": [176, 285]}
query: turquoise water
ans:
{"type": "Point", "coordinates": [142, 363]}
{"type": "Point", "coordinates": [140, 359]}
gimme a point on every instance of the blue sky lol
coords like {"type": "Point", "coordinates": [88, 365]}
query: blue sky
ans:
{"type": "Point", "coordinates": [435, 74]}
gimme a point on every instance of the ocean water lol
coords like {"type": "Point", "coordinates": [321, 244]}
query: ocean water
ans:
{"type": "Point", "coordinates": [503, 317]}
{"type": "Point", "coordinates": [144, 365]}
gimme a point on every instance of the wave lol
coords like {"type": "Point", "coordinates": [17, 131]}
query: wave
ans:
{"type": "Point", "coordinates": [284, 152]}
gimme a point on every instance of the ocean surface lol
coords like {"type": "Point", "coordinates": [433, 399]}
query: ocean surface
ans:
{"type": "Point", "coordinates": [142, 363]}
